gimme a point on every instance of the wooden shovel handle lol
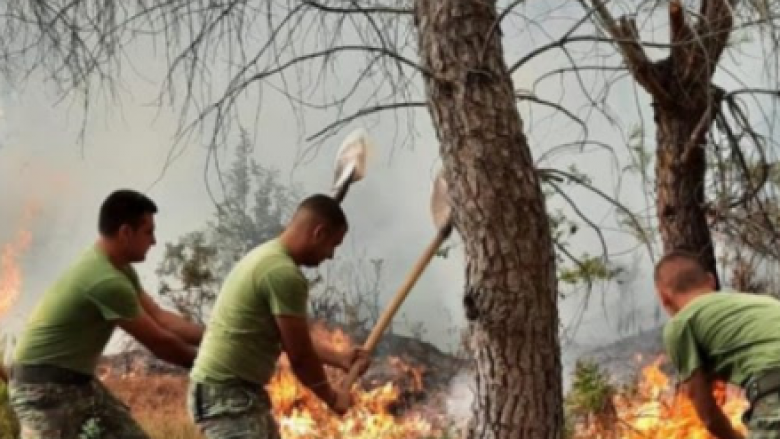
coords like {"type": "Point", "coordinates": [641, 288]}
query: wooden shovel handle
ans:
{"type": "Point", "coordinates": [400, 295]}
{"type": "Point", "coordinates": [341, 191]}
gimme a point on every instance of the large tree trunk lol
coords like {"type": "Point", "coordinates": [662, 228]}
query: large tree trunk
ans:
{"type": "Point", "coordinates": [511, 291]}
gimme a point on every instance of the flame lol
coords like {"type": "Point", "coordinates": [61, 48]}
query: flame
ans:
{"type": "Point", "coordinates": [10, 270]}
{"type": "Point", "coordinates": [657, 411]}
{"type": "Point", "coordinates": [301, 415]}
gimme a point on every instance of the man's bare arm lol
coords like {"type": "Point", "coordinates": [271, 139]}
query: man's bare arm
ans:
{"type": "Point", "coordinates": [161, 342]}
{"type": "Point", "coordinates": [306, 362]}
{"type": "Point", "coordinates": [699, 390]}
{"type": "Point", "coordinates": [187, 331]}
{"type": "Point", "coordinates": [329, 355]}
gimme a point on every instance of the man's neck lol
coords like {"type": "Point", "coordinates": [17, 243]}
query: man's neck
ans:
{"type": "Point", "coordinates": [291, 244]}
{"type": "Point", "coordinates": [689, 297]}
{"type": "Point", "coordinates": [112, 254]}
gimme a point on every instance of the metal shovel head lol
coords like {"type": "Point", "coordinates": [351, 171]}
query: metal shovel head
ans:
{"type": "Point", "coordinates": [440, 202]}
{"type": "Point", "coordinates": [351, 158]}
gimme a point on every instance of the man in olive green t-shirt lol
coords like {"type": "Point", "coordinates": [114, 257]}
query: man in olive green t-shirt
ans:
{"type": "Point", "coordinates": [53, 387]}
{"type": "Point", "coordinates": [261, 311]}
{"type": "Point", "coordinates": [724, 336]}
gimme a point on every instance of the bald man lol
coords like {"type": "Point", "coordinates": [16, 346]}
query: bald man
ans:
{"type": "Point", "coordinates": [726, 336]}
{"type": "Point", "coordinates": [261, 311]}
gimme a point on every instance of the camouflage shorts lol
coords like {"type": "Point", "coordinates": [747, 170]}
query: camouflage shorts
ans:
{"type": "Point", "coordinates": [234, 411]}
{"type": "Point", "coordinates": [763, 419]}
{"type": "Point", "coordinates": [58, 411]}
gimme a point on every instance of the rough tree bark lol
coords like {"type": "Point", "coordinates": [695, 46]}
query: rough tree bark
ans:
{"type": "Point", "coordinates": [681, 167]}
{"type": "Point", "coordinates": [511, 290]}
{"type": "Point", "coordinates": [685, 102]}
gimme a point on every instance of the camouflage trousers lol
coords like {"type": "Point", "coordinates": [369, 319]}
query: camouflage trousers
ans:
{"type": "Point", "coordinates": [60, 411]}
{"type": "Point", "coordinates": [763, 419]}
{"type": "Point", "coordinates": [231, 411]}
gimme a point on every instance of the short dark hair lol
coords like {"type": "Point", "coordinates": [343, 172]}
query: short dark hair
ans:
{"type": "Point", "coordinates": [124, 206]}
{"type": "Point", "coordinates": [326, 208]}
{"type": "Point", "coordinates": [691, 273]}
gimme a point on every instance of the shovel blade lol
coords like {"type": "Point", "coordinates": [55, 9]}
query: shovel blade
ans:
{"type": "Point", "coordinates": [440, 203]}
{"type": "Point", "coordinates": [351, 159]}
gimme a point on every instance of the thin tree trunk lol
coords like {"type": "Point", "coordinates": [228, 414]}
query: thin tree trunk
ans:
{"type": "Point", "coordinates": [685, 103]}
{"type": "Point", "coordinates": [681, 166]}
{"type": "Point", "coordinates": [511, 291]}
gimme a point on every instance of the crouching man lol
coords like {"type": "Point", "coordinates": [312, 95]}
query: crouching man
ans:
{"type": "Point", "coordinates": [53, 388]}
{"type": "Point", "coordinates": [725, 336]}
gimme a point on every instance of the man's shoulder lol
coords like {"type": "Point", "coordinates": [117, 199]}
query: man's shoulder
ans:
{"type": "Point", "coordinates": [704, 303]}
{"type": "Point", "coordinates": [708, 308]}
{"type": "Point", "coordinates": [97, 273]}
{"type": "Point", "coordinates": [88, 270]}
{"type": "Point", "coordinates": [271, 259]}
{"type": "Point", "coordinates": [282, 270]}
{"type": "Point", "coordinates": [727, 300]}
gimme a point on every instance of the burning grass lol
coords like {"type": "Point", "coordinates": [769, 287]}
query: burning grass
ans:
{"type": "Point", "coordinates": [302, 416]}
{"type": "Point", "coordinates": [651, 409]}
{"type": "Point", "coordinates": [158, 402]}
{"type": "Point", "coordinates": [10, 267]}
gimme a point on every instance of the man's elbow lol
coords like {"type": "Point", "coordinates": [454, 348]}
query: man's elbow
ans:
{"type": "Point", "coordinates": [170, 348]}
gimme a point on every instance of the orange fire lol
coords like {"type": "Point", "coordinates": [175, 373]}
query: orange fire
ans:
{"type": "Point", "coordinates": [302, 416]}
{"type": "Point", "coordinates": [657, 411]}
{"type": "Point", "coordinates": [10, 270]}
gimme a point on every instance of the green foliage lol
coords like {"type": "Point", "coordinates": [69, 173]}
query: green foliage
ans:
{"type": "Point", "coordinates": [591, 392]}
{"type": "Point", "coordinates": [641, 157]}
{"type": "Point", "coordinates": [582, 269]}
{"type": "Point", "coordinates": [254, 208]}
{"type": "Point", "coordinates": [562, 227]}
{"type": "Point", "coordinates": [187, 277]}
{"type": "Point", "coordinates": [577, 176]}
{"type": "Point", "coordinates": [589, 269]}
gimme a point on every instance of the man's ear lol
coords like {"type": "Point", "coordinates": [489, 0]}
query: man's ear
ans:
{"type": "Point", "coordinates": [319, 232]}
{"type": "Point", "coordinates": [124, 231]}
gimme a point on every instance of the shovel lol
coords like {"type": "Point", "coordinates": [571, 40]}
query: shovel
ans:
{"type": "Point", "coordinates": [350, 162]}
{"type": "Point", "coordinates": [440, 208]}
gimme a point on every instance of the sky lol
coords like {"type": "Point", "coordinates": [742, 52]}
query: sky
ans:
{"type": "Point", "coordinates": [46, 164]}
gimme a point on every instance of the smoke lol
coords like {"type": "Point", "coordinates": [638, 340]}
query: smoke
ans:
{"type": "Point", "coordinates": [460, 398]}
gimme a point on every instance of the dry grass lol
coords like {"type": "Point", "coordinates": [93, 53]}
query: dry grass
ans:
{"type": "Point", "coordinates": [158, 403]}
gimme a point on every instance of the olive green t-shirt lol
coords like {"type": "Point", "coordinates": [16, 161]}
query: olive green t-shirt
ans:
{"type": "Point", "coordinates": [242, 340]}
{"type": "Point", "coordinates": [75, 318]}
{"type": "Point", "coordinates": [728, 334]}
